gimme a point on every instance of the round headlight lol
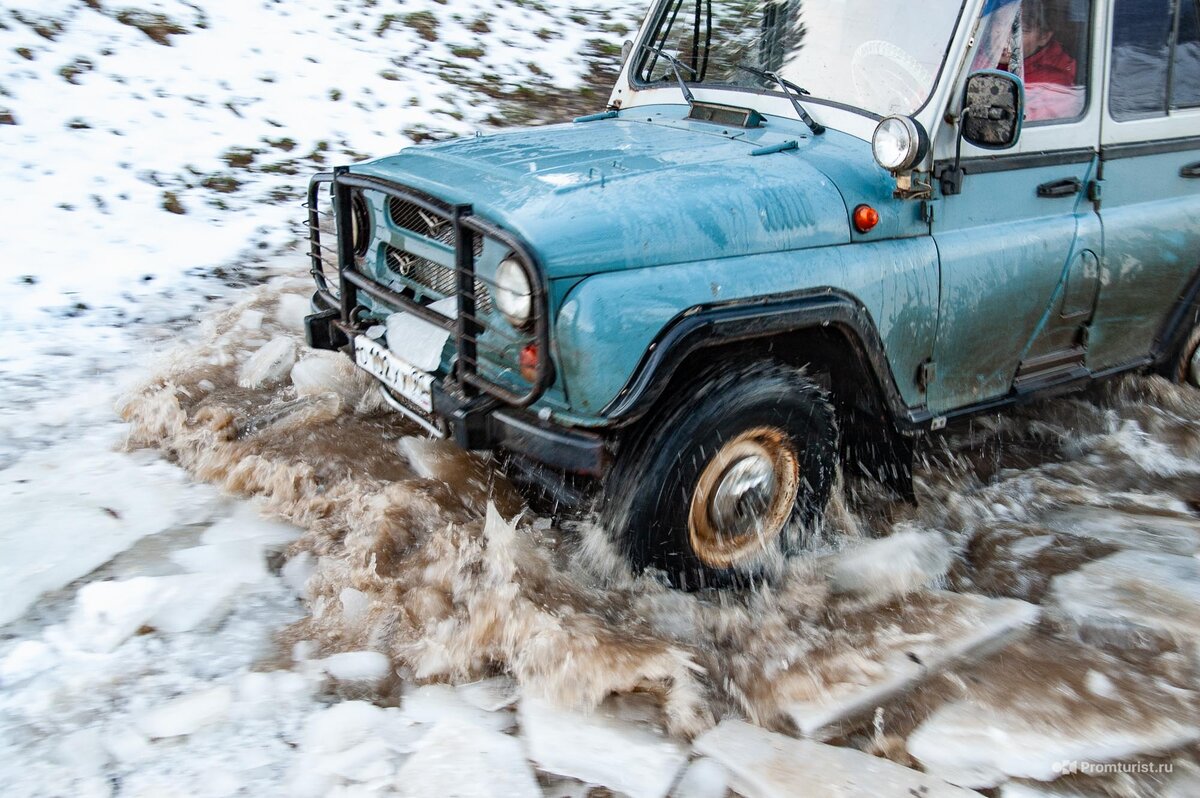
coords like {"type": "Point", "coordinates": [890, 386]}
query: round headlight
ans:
{"type": "Point", "coordinates": [899, 143]}
{"type": "Point", "coordinates": [513, 292]}
{"type": "Point", "coordinates": [360, 225]}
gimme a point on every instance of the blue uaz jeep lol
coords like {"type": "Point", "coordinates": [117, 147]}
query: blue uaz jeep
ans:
{"type": "Point", "coordinates": [803, 231]}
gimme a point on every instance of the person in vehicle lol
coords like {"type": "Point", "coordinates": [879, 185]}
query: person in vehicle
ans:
{"type": "Point", "coordinates": [1038, 55]}
{"type": "Point", "coordinates": [1046, 60]}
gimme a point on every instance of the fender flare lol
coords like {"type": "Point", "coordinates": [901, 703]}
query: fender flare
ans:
{"type": "Point", "coordinates": [706, 326]}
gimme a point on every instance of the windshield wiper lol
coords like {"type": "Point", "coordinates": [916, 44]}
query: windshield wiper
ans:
{"type": "Point", "coordinates": [676, 65]}
{"type": "Point", "coordinates": [793, 93]}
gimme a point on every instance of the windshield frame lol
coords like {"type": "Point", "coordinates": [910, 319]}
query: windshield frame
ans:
{"type": "Point", "coordinates": [658, 15]}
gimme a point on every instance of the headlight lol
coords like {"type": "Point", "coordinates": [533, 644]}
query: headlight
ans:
{"type": "Point", "coordinates": [899, 144]}
{"type": "Point", "coordinates": [360, 225]}
{"type": "Point", "coordinates": [513, 292]}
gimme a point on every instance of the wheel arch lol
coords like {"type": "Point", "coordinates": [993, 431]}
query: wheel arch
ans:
{"type": "Point", "coordinates": [826, 329]}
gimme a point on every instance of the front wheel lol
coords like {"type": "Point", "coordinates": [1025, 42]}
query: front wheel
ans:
{"type": "Point", "coordinates": [722, 485]}
{"type": "Point", "coordinates": [1188, 368]}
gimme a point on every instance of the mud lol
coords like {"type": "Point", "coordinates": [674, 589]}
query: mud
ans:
{"type": "Point", "coordinates": [463, 583]}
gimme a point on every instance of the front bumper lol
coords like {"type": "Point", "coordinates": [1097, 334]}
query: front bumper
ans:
{"type": "Point", "coordinates": [484, 422]}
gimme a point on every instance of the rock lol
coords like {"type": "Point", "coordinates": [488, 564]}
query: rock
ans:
{"type": "Point", "coordinates": [1046, 702]}
{"type": "Point", "coordinates": [1130, 598]}
{"type": "Point", "coordinates": [188, 714]}
{"type": "Point", "coordinates": [890, 650]}
{"type": "Point", "coordinates": [893, 566]}
{"type": "Point", "coordinates": [270, 365]}
{"type": "Point", "coordinates": [466, 761]}
{"type": "Point", "coordinates": [768, 765]}
{"type": "Point", "coordinates": [1167, 534]}
{"type": "Point", "coordinates": [620, 756]}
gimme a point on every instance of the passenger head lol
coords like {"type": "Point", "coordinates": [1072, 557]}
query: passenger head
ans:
{"type": "Point", "coordinates": [1036, 32]}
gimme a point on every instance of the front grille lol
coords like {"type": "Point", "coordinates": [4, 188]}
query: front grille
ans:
{"type": "Point", "coordinates": [435, 280]}
{"type": "Point", "coordinates": [408, 216]}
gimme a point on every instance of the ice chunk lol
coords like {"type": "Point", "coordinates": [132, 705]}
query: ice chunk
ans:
{"type": "Point", "coordinates": [620, 756]}
{"type": "Point", "coordinates": [355, 604]}
{"type": "Point", "coordinates": [892, 652]}
{"type": "Point", "coordinates": [1129, 595]}
{"type": "Point", "coordinates": [269, 365]}
{"type": "Point", "coordinates": [704, 778]}
{"type": "Point", "coordinates": [106, 614]}
{"type": "Point", "coordinates": [297, 571]}
{"type": "Point", "coordinates": [416, 340]}
{"type": "Point", "coordinates": [463, 760]}
{"type": "Point", "coordinates": [435, 703]}
{"type": "Point", "coordinates": [328, 372]}
{"type": "Point", "coordinates": [291, 310]}
{"type": "Point", "coordinates": [251, 319]}
{"type": "Point", "coordinates": [369, 760]}
{"type": "Point", "coordinates": [127, 746]}
{"type": "Point", "coordinates": [1031, 710]}
{"type": "Point", "coordinates": [69, 509]}
{"type": "Point", "coordinates": [187, 714]}
{"type": "Point", "coordinates": [892, 566]}
{"type": "Point", "coordinates": [1168, 534]}
{"type": "Point", "coordinates": [768, 765]}
{"type": "Point", "coordinates": [27, 659]}
{"type": "Point", "coordinates": [341, 726]}
{"type": "Point", "coordinates": [83, 752]}
{"type": "Point", "coordinates": [490, 695]}
{"type": "Point", "coordinates": [369, 667]}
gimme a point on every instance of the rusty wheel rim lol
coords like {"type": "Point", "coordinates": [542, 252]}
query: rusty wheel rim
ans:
{"type": "Point", "coordinates": [744, 497]}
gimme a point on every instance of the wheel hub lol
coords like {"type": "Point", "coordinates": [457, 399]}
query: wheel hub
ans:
{"type": "Point", "coordinates": [1194, 368]}
{"type": "Point", "coordinates": [744, 497]}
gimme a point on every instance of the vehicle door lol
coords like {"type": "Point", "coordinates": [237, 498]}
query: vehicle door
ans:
{"type": "Point", "coordinates": [1019, 241]}
{"type": "Point", "coordinates": [1150, 165]}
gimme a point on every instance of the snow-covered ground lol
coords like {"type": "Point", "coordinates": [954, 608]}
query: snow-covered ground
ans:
{"type": "Point", "coordinates": [224, 571]}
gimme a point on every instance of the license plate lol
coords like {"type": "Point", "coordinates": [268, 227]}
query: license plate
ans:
{"type": "Point", "coordinates": [399, 375]}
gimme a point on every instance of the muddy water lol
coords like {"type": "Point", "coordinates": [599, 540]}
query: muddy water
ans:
{"type": "Point", "coordinates": [459, 591]}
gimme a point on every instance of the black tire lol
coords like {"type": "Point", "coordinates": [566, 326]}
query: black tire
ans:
{"type": "Point", "coordinates": [1184, 371]}
{"type": "Point", "coordinates": [652, 494]}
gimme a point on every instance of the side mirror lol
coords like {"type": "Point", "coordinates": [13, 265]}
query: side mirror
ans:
{"type": "Point", "coordinates": [993, 109]}
{"type": "Point", "coordinates": [993, 112]}
{"type": "Point", "coordinates": [626, 49]}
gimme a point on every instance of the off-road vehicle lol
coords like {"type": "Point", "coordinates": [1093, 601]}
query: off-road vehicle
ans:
{"type": "Point", "coordinates": [803, 232]}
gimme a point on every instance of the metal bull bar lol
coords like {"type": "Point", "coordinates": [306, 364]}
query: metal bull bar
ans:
{"type": "Point", "coordinates": [472, 329]}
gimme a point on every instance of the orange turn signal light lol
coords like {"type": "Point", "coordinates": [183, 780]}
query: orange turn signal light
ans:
{"type": "Point", "coordinates": [865, 218]}
{"type": "Point", "coordinates": [529, 362]}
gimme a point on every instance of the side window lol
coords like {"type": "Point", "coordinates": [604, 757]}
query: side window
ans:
{"type": "Point", "coordinates": [1045, 42]}
{"type": "Point", "coordinates": [1155, 58]}
{"type": "Point", "coordinates": [1185, 89]}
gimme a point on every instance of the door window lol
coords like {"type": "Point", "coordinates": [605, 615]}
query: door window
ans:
{"type": "Point", "coordinates": [1185, 89]}
{"type": "Point", "coordinates": [1045, 43]}
{"type": "Point", "coordinates": [1155, 58]}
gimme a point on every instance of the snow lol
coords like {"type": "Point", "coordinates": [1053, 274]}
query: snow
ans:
{"type": "Point", "coordinates": [769, 765]}
{"type": "Point", "coordinates": [460, 760]}
{"type": "Point", "coordinates": [618, 755]}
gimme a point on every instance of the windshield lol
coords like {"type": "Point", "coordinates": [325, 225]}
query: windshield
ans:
{"type": "Point", "coordinates": [882, 57]}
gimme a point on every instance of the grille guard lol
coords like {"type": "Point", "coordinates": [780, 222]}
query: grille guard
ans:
{"type": "Point", "coordinates": [470, 326]}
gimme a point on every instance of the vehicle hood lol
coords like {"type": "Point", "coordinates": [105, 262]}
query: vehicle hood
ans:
{"type": "Point", "coordinates": [641, 190]}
